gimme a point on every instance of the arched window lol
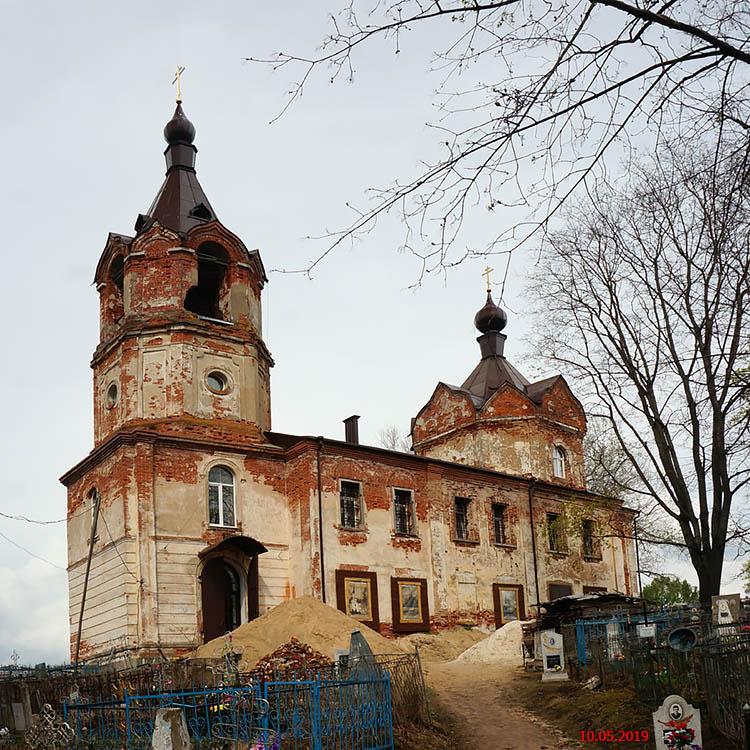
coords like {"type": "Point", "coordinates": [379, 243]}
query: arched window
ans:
{"type": "Point", "coordinates": [203, 299]}
{"type": "Point", "coordinates": [221, 497]}
{"type": "Point", "coordinates": [558, 462]}
{"type": "Point", "coordinates": [94, 500]}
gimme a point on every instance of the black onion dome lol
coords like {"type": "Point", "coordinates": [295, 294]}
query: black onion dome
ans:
{"type": "Point", "coordinates": [179, 129]}
{"type": "Point", "coordinates": [490, 317]}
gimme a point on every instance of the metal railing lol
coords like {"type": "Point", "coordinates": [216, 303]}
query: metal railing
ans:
{"type": "Point", "coordinates": [321, 714]}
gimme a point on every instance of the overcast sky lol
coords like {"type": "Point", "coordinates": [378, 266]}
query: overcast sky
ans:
{"type": "Point", "coordinates": [86, 93]}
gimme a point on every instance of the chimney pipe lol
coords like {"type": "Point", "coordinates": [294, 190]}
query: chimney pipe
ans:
{"type": "Point", "coordinates": [351, 429]}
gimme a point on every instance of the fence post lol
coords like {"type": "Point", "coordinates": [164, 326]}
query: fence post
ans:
{"type": "Point", "coordinates": [746, 717]}
{"type": "Point", "coordinates": [127, 716]}
{"type": "Point", "coordinates": [424, 686]}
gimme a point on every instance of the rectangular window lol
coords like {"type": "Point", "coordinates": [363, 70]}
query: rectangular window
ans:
{"type": "Point", "coordinates": [557, 590]}
{"type": "Point", "coordinates": [350, 494]}
{"type": "Point", "coordinates": [403, 505]}
{"type": "Point", "coordinates": [461, 510]}
{"type": "Point", "coordinates": [589, 542]}
{"type": "Point", "coordinates": [555, 536]}
{"type": "Point", "coordinates": [499, 523]}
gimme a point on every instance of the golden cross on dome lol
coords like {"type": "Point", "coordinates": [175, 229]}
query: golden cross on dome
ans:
{"type": "Point", "coordinates": [180, 70]}
{"type": "Point", "coordinates": [487, 272]}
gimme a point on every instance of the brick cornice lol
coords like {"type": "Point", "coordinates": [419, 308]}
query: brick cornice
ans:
{"type": "Point", "coordinates": [125, 437]}
{"type": "Point", "coordinates": [133, 327]}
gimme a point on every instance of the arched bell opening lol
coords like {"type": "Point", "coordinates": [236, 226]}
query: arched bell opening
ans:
{"type": "Point", "coordinates": [229, 585]}
{"type": "Point", "coordinates": [204, 298]}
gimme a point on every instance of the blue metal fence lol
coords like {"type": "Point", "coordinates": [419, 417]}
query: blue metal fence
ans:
{"type": "Point", "coordinates": [297, 715]}
{"type": "Point", "coordinates": [614, 633]}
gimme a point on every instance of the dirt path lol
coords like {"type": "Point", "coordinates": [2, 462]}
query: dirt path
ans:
{"type": "Point", "coordinates": [480, 699]}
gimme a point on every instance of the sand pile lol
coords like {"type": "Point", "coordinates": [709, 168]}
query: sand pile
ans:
{"type": "Point", "coordinates": [445, 645]}
{"type": "Point", "coordinates": [307, 619]}
{"type": "Point", "coordinates": [504, 645]}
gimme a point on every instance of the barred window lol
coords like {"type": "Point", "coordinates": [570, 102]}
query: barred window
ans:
{"type": "Point", "coordinates": [499, 523]}
{"type": "Point", "coordinates": [403, 505]}
{"type": "Point", "coordinates": [221, 497]}
{"type": "Point", "coordinates": [461, 510]}
{"type": "Point", "coordinates": [590, 547]}
{"type": "Point", "coordinates": [555, 535]}
{"type": "Point", "coordinates": [350, 494]}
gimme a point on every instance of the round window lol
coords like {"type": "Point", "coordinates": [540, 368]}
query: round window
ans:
{"type": "Point", "coordinates": [217, 382]}
{"type": "Point", "coordinates": [110, 398]}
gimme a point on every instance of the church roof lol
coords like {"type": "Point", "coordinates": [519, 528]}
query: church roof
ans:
{"type": "Point", "coordinates": [180, 203]}
{"type": "Point", "coordinates": [490, 374]}
{"type": "Point", "coordinates": [494, 370]}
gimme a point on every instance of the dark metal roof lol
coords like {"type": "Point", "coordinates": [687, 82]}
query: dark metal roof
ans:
{"type": "Point", "coordinates": [535, 391]}
{"type": "Point", "coordinates": [180, 203]}
{"type": "Point", "coordinates": [489, 375]}
{"type": "Point", "coordinates": [242, 543]}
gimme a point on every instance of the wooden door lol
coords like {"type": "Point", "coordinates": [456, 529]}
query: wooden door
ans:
{"type": "Point", "coordinates": [213, 605]}
{"type": "Point", "coordinates": [252, 589]}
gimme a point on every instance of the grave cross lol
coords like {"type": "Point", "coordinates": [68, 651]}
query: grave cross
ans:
{"type": "Point", "coordinates": [14, 657]}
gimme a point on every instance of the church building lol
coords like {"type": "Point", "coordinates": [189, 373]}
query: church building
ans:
{"type": "Point", "coordinates": [203, 517]}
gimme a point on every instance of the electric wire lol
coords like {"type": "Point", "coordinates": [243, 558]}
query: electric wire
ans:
{"type": "Point", "coordinates": [31, 520]}
{"type": "Point", "coordinates": [29, 552]}
{"type": "Point", "coordinates": [115, 544]}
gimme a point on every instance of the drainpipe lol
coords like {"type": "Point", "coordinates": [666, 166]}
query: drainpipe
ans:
{"type": "Point", "coordinates": [320, 525]}
{"type": "Point", "coordinates": [533, 537]}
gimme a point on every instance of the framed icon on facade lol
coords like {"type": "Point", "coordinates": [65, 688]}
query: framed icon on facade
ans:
{"type": "Point", "coordinates": [409, 605]}
{"type": "Point", "coordinates": [357, 596]}
{"type": "Point", "coordinates": [509, 603]}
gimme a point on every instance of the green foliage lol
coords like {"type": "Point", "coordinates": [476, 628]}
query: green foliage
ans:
{"type": "Point", "coordinates": [671, 590]}
{"type": "Point", "coordinates": [745, 575]}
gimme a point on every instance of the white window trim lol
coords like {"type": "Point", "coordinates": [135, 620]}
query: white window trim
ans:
{"type": "Point", "coordinates": [221, 524]}
{"type": "Point", "coordinates": [559, 458]}
{"type": "Point", "coordinates": [361, 526]}
{"type": "Point", "coordinates": [413, 512]}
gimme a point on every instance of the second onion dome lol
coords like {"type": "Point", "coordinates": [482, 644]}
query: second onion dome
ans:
{"type": "Point", "coordinates": [490, 317]}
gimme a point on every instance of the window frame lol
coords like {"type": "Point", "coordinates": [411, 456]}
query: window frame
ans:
{"type": "Point", "coordinates": [594, 552]}
{"type": "Point", "coordinates": [467, 518]}
{"type": "Point", "coordinates": [505, 540]}
{"type": "Point", "coordinates": [359, 506]}
{"type": "Point", "coordinates": [412, 513]}
{"type": "Point", "coordinates": [550, 584]}
{"type": "Point", "coordinates": [220, 524]}
{"type": "Point", "coordinates": [555, 534]}
{"type": "Point", "coordinates": [559, 459]}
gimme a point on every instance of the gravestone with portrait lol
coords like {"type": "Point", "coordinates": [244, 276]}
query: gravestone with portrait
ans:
{"type": "Point", "coordinates": [553, 658]}
{"type": "Point", "coordinates": [677, 724]}
{"type": "Point", "coordinates": [726, 608]}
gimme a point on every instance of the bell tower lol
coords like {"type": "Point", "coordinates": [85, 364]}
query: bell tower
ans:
{"type": "Point", "coordinates": [181, 397]}
{"type": "Point", "coordinates": [180, 345]}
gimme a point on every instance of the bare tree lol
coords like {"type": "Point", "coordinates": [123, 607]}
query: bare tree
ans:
{"type": "Point", "coordinates": [645, 295]}
{"type": "Point", "coordinates": [392, 439]}
{"type": "Point", "coordinates": [533, 95]}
